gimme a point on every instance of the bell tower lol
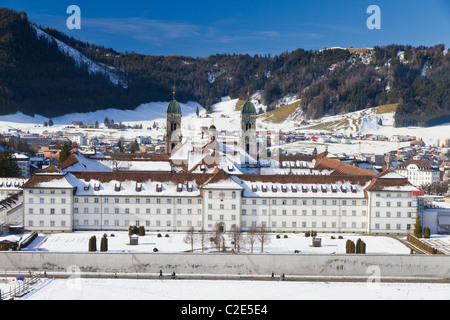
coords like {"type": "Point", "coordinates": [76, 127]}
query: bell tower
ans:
{"type": "Point", "coordinates": [248, 129]}
{"type": "Point", "coordinates": [173, 125]}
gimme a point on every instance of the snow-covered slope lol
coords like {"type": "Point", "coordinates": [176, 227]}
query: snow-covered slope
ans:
{"type": "Point", "coordinates": [81, 59]}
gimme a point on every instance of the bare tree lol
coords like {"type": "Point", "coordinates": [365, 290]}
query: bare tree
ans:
{"type": "Point", "coordinates": [217, 238]}
{"type": "Point", "coordinates": [237, 237]}
{"type": "Point", "coordinates": [202, 236]}
{"type": "Point", "coordinates": [190, 238]}
{"type": "Point", "coordinates": [263, 236]}
{"type": "Point", "coordinates": [251, 237]}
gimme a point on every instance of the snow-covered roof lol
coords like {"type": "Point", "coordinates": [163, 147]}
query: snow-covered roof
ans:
{"type": "Point", "coordinates": [50, 177]}
{"type": "Point", "coordinates": [12, 183]}
{"type": "Point", "coordinates": [302, 186]}
{"type": "Point", "coordinates": [76, 162]}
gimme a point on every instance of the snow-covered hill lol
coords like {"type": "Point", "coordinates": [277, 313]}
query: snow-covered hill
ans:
{"type": "Point", "coordinates": [81, 59]}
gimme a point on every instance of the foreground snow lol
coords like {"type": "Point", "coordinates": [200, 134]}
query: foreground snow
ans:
{"type": "Point", "coordinates": [95, 289]}
{"type": "Point", "coordinates": [78, 242]}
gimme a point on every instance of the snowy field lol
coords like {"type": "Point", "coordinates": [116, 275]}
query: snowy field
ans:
{"type": "Point", "coordinates": [78, 242]}
{"type": "Point", "coordinates": [126, 289]}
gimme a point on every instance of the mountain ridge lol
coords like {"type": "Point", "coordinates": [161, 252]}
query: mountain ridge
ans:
{"type": "Point", "coordinates": [328, 81]}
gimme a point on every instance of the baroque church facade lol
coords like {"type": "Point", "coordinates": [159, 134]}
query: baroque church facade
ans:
{"type": "Point", "coordinates": [217, 183]}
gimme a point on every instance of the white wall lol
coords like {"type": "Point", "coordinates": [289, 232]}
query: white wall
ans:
{"type": "Point", "coordinates": [403, 266]}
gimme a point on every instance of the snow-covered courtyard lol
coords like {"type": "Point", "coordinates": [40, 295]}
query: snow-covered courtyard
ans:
{"type": "Point", "coordinates": [283, 243]}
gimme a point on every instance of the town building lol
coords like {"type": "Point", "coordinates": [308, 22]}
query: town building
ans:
{"type": "Point", "coordinates": [24, 164]}
{"type": "Point", "coordinates": [418, 172]}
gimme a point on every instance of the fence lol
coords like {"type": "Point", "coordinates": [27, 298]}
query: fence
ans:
{"type": "Point", "coordinates": [421, 245]}
{"type": "Point", "coordinates": [20, 289]}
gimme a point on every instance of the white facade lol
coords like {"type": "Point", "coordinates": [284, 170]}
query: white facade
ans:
{"type": "Point", "coordinates": [392, 212]}
{"type": "Point", "coordinates": [160, 202]}
{"type": "Point", "coordinates": [48, 209]}
{"type": "Point", "coordinates": [419, 172]}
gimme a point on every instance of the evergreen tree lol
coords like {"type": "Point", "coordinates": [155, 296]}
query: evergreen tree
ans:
{"type": "Point", "coordinates": [418, 231]}
{"type": "Point", "coordinates": [9, 166]}
{"type": "Point", "coordinates": [426, 233]}
{"type": "Point", "coordinates": [106, 122]}
{"type": "Point", "coordinates": [64, 154]}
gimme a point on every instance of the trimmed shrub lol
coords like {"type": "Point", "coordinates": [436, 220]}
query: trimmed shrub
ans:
{"type": "Point", "coordinates": [360, 247]}
{"type": "Point", "coordinates": [104, 243]}
{"type": "Point", "coordinates": [363, 247]}
{"type": "Point", "coordinates": [141, 231]}
{"type": "Point", "coordinates": [92, 244]}
{"type": "Point", "coordinates": [155, 250]}
{"type": "Point", "coordinates": [133, 230]}
{"type": "Point", "coordinates": [426, 233]}
{"type": "Point", "coordinates": [350, 247]}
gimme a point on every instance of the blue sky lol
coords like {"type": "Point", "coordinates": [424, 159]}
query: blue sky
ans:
{"type": "Point", "coordinates": [201, 28]}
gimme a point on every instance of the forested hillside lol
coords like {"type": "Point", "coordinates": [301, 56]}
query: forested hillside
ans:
{"type": "Point", "coordinates": [36, 77]}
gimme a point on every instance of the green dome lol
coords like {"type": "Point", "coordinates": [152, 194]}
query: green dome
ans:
{"type": "Point", "coordinates": [174, 107]}
{"type": "Point", "coordinates": [248, 108]}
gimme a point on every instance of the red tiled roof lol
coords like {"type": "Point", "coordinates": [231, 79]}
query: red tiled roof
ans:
{"type": "Point", "coordinates": [339, 168]}
{"type": "Point", "coordinates": [422, 164]}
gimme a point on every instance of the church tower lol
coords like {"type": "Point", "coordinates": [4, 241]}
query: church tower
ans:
{"type": "Point", "coordinates": [173, 125]}
{"type": "Point", "coordinates": [248, 129]}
